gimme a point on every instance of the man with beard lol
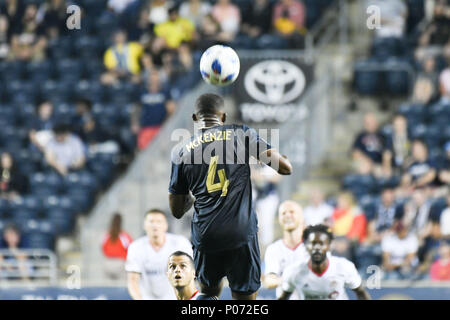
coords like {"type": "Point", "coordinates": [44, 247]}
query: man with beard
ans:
{"type": "Point", "coordinates": [322, 277]}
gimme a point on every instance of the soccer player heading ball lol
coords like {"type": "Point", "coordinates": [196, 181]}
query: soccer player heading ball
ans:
{"type": "Point", "coordinates": [215, 166]}
{"type": "Point", "coordinates": [323, 276]}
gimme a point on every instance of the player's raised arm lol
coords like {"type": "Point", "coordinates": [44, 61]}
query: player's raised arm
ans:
{"type": "Point", "coordinates": [277, 161]}
{"type": "Point", "coordinates": [133, 285]}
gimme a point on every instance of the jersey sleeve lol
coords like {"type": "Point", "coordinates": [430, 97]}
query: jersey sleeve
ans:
{"type": "Point", "coordinates": [256, 144]}
{"type": "Point", "coordinates": [178, 183]}
{"type": "Point", "coordinates": [288, 282]}
{"type": "Point", "coordinates": [133, 262]}
{"type": "Point", "coordinates": [271, 261]}
{"type": "Point", "coordinates": [352, 278]}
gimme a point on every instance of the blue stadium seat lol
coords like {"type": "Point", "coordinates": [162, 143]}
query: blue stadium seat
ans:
{"type": "Point", "coordinates": [417, 131]}
{"type": "Point", "coordinates": [8, 116]}
{"type": "Point", "coordinates": [4, 209]}
{"type": "Point", "coordinates": [359, 185]}
{"type": "Point", "coordinates": [62, 48]}
{"type": "Point", "coordinates": [38, 240]}
{"type": "Point", "coordinates": [69, 69]}
{"type": "Point", "coordinates": [397, 82]}
{"type": "Point", "coordinates": [64, 113]}
{"type": "Point", "coordinates": [368, 204]}
{"type": "Point", "coordinates": [63, 221]}
{"type": "Point", "coordinates": [40, 71]}
{"type": "Point", "coordinates": [21, 91]}
{"type": "Point", "coordinates": [366, 79]}
{"type": "Point", "coordinates": [386, 47]}
{"type": "Point", "coordinates": [43, 184]}
{"type": "Point", "coordinates": [439, 113]}
{"type": "Point", "coordinates": [414, 113]}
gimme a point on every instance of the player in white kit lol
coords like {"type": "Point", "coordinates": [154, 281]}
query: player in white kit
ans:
{"type": "Point", "coordinates": [147, 258]}
{"type": "Point", "coordinates": [323, 276]}
{"type": "Point", "coordinates": [285, 251]}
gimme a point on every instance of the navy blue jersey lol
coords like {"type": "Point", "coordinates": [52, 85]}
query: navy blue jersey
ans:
{"type": "Point", "coordinates": [214, 166]}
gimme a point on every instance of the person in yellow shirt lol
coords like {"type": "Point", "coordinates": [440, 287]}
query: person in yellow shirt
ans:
{"type": "Point", "coordinates": [122, 60]}
{"type": "Point", "coordinates": [175, 30]}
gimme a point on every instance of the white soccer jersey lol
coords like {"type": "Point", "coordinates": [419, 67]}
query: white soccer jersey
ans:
{"type": "Point", "coordinates": [330, 285]}
{"type": "Point", "coordinates": [152, 265]}
{"type": "Point", "coordinates": [278, 256]}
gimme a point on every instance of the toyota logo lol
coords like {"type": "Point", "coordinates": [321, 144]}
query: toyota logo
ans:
{"type": "Point", "coordinates": [274, 82]}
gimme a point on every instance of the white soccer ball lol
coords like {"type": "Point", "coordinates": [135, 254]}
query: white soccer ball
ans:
{"type": "Point", "coordinates": [219, 65]}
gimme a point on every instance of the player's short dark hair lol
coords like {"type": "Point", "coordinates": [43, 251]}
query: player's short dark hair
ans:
{"type": "Point", "coordinates": [209, 104]}
{"type": "Point", "coordinates": [155, 211]}
{"type": "Point", "coordinates": [317, 228]}
{"type": "Point", "coordinates": [182, 253]}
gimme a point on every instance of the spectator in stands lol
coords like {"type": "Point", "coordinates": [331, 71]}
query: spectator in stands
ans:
{"type": "Point", "coordinates": [41, 126]}
{"type": "Point", "coordinates": [142, 30]}
{"type": "Point", "coordinates": [289, 21]}
{"type": "Point", "coordinates": [229, 17]}
{"type": "Point", "coordinates": [12, 182]}
{"type": "Point", "coordinates": [175, 30]}
{"type": "Point", "coordinates": [119, 6]}
{"type": "Point", "coordinates": [444, 82]}
{"type": "Point", "coordinates": [55, 16]}
{"type": "Point", "coordinates": [258, 20]}
{"type": "Point", "coordinates": [65, 151]}
{"type": "Point", "coordinates": [438, 30]}
{"type": "Point", "coordinates": [155, 106]}
{"type": "Point", "coordinates": [440, 270]}
{"type": "Point", "coordinates": [5, 49]}
{"type": "Point", "coordinates": [399, 253]}
{"type": "Point", "coordinates": [159, 11]}
{"type": "Point", "coordinates": [14, 265]}
{"type": "Point", "coordinates": [349, 225]}
{"type": "Point", "coordinates": [122, 60]}
{"type": "Point", "coordinates": [210, 33]}
{"type": "Point", "coordinates": [195, 10]}
{"type": "Point", "coordinates": [318, 211]}
{"type": "Point", "coordinates": [393, 15]}
{"type": "Point", "coordinates": [421, 172]}
{"type": "Point", "coordinates": [372, 145]}
{"type": "Point", "coordinates": [425, 89]}
{"type": "Point", "coordinates": [13, 11]}
{"type": "Point", "coordinates": [115, 246]}
{"type": "Point", "coordinates": [444, 169]}
{"type": "Point", "coordinates": [385, 214]}
{"type": "Point", "coordinates": [90, 131]}
{"type": "Point", "coordinates": [444, 222]}
{"type": "Point", "coordinates": [398, 143]}
{"type": "Point", "coordinates": [417, 214]}
{"type": "Point", "coordinates": [28, 41]}
{"type": "Point", "coordinates": [264, 183]}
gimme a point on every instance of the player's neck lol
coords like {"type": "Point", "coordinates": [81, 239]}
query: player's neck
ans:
{"type": "Point", "coordinates": [319, 268]}
{"type": "Point", "coordinates": [186, 293]}
{"type": "Point", "coordinates": [293, 238]}
{"type": "Point", "coordinates": [204, 123]}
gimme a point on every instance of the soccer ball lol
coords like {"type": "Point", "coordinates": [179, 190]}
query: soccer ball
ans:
{"type": "Point", "coordinates": [219, 65]}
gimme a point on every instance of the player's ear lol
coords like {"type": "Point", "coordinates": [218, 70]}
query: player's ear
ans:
{"type": "Point", "coordinates": [194, 117]}
{"type": "Point", "coordinates": [223, 117]}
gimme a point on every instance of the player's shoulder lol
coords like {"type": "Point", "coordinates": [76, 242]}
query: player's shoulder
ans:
{"type": "Point", "coordinates": [138, 243]}
{"type": "Point", "coordinates": [297, 267]}
{"type": "Point", "coordinates": [341, 262]}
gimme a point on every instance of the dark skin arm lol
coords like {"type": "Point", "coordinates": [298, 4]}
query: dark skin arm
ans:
{"type": "Point", "coordinates": [361, 293]}
{"type": "Point", "coordinates": [285, 295]}
{"type": "Point", "coordinates": [180, 204]}
{"type": "Point", "coordinates": [275, 160]}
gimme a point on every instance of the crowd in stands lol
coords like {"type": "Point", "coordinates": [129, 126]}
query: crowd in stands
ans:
{"type": "Point", "coordinates": [400, 185]}
{"type": "Point", "coordinates": [75, 102]}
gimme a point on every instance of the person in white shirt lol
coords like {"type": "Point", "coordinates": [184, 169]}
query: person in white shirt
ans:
{"type": "Point", "coordinates": [318, 212]}
{"type": "Point", "coordinates": [322, 276]}
{"type": "Point", "coordinates": [181, 274]}
{"type": "Point", "coordinates": [147, 258]}
{"type": "Point", "coordinates": [287, 250]}
{"type": "Point", "coordinates": [445, 220]}
{"type": "Point", "coordinates": [399, 253]}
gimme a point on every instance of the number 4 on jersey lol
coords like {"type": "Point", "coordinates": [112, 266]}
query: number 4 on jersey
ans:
{"type": "Point", "coordinates": [223, 181]}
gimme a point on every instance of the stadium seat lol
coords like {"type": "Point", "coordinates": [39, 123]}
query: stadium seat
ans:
{"type": "Point", "coordinates": [366, 79]}
{"type": "Point", "coordinates": [386, 47]}
{"type": "Point", "coordinates": [397, 79]}
{"type": "Point", "coordinates": [4, 209]}
{"type": "Point", "coordinates": [69, 69]}
{"type": "Point", "coordinates": [38, 240]}
{"type": "Point", "coordinates": [359, 185]}
{"type": "Point", "coordinates": [63, 221]}
{"type": "Point", "coordinates": [42, 184]}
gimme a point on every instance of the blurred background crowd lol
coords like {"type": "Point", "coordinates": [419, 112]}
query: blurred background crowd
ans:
{"type": "Point", "coordinates": [77, 105]}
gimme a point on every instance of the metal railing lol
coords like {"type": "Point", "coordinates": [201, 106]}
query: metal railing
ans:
{"type": "Point", "coordinates": [29, 265]}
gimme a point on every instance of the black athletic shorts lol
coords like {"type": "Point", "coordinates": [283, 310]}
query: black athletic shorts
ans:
{"type": "Point", "coordinates": [241, 266]}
